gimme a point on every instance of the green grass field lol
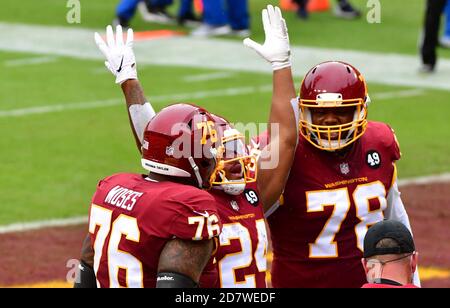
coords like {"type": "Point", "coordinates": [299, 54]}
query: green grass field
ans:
{"type": "Point", "coordinates": [51, 162]}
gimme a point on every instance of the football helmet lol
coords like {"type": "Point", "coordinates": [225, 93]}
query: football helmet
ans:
{"type": "Point", "coordinates": [234, 159]}
{"type": "Point", "coordinates": [333, 85]}
{"type": "Point", "coordinates": [182, 141]}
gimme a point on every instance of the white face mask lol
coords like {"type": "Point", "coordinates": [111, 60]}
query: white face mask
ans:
{"type": "Point", "coordinates": [376, 267]}
{"type": "Point", "coordinates": [375, 270]}
{"type": "Point", "coordinates": [233, 189]}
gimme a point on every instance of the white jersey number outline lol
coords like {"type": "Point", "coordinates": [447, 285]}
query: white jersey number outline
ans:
{"type": "Point", "coordinates": [117, 259]}
{"type": "Point", "coordinates": [230, 263]}
{"type": "Point", "coordinates": [325, 245]}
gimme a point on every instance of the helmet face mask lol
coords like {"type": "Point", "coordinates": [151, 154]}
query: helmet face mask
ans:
{"type": "Point", "coordinates": [235, 167]}
{"type": "Point", "coordinates": [338, 89]}
{"type": "Point", "coordinates": [337, 136]}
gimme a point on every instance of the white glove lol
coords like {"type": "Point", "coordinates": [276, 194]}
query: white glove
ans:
{"type": "Point", "coordinates": [120, 57]}
{"type": "Point", "coordinates": [276, 48]}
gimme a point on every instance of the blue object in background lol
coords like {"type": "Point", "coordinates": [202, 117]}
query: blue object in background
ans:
{"type": "Point", "coordinates": [186, 8]}
{"type": "Point", "coordinates": [126, 9]}
{"type": "Point", "coordinates": [161, 3]}
{"type": "Point", "coordinates": [222, 12]}
{"type": "Point", "coordinates": [238, 14]}
{"type": "Point", "coordinates": [447, 20]}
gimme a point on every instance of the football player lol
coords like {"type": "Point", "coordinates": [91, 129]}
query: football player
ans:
{"type": "Point", "coordinates": [157, 229]}
{"type": "Point", "coordinates": [241, 257]}
{"type": "Point", "coordinates": [343, 180]}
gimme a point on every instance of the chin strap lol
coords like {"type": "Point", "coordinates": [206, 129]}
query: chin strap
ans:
{"type": "Point", "coordinates": [196, 172]}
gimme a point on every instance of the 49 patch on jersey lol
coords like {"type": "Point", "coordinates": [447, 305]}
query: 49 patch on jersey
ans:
{"type": "Point", "coordinates": [252, 197]}
{"type": "Point", "coordinates": [373, 159]}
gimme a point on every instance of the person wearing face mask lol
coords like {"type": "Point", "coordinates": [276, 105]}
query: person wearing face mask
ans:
{"type": "Point", "coordinates": [390, 257]}
{"type": "Point", "coordinates": [240, 259]}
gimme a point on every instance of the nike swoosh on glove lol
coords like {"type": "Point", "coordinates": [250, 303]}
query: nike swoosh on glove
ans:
{"type": "Point", "coordinates": [120, 58]}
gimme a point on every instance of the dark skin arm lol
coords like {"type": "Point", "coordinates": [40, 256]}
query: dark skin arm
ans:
{"type": "Point", "coordinates": [134, 95]}
{"type": "Point", "coordinates": [85, 277]}
{"type": "Point", "coordinates": [188, 258]}
{"type": "Point", "coordinates": [178, 256]}
{"type": "Point", "coordinates": [87, 252]}
{"type": "Point", "coordinates": [282, 142]}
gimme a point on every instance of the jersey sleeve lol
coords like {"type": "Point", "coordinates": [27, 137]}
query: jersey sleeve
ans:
{"type": "Point", "coordinates": [394, 147]}
{"type": "Point", "coordinates": [196, 217]}
{"type": "Point", "coordinates": [396, 211]}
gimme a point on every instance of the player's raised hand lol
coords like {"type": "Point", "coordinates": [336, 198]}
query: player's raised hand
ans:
{"type": "Point", "coordinates": [120, 59]}
{"type": "Point", "coordinates": [276, 48]}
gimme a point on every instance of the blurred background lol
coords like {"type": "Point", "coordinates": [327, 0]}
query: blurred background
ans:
{"type": "Point", "coordinates": [65, 125]}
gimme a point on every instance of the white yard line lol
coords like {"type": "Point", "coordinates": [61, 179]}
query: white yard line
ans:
{"type": "Point", "coordinates": [431, 179]}
{"type": "Point", "coordinates": [208, 77]}
{"type": "Point", "coordinates": [30, 61]}
{"type": "Point", "coordinates": [178, 97]}
{"type": "Point", "coordinates": [37, 225]}
{"type": "Point", "coordinates": [103, 70]}
{"type": "Point", "coordinates": [219, 54]}
{"type": "Point", "coordinates": [398, 94]}
{"type": "Point", "coordinates": [58, 108]}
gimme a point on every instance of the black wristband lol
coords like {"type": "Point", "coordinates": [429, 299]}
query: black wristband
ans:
{"type": "Point", "coordinates": [85, 277]}
{"type": "Point", "coordinates": [174, 280]}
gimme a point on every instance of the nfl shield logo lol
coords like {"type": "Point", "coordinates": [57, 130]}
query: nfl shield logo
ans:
{"type": "Point", "coordinates": [234, 205]}
{"type": "Point", "coordinates": [145, 145]}
{"type": "Point", "coordinates": [169, 151]}
{"type": "Point", "coordinates": [345, 169]}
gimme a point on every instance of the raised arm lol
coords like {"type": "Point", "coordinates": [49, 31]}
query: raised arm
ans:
{"type": "Point", "coordinates": [121, 61]}
{"type": "Point", "coordinates": [277, 157]}
{"type": "Point", "coordinates": [140, 112]}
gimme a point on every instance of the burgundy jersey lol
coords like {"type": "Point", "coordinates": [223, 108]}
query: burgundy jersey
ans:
{"type": "Point", "coordinates": [241, 258]}
{"type": "Point", "coordinates": [132, 219]}
{"type": "Point", "coordinates": [387, 286]}
{"type": "Point", "coordinates": [329, 203]}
